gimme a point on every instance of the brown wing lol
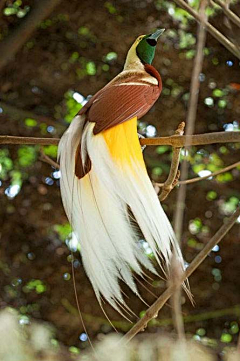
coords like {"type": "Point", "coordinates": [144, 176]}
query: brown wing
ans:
{"type": "Point", "coordinates": [117, 103]}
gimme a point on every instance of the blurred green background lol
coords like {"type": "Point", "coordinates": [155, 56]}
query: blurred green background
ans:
{"type": "Point", "coordinates": [72, 54]}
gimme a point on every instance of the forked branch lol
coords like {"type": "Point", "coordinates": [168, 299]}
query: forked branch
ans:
{"type": "Point", "coordinates": [174, 173]}
{"type": "Point", "coordinates": [211, 29]}
{"type": "Point", "coordinates": [229, 13]}
{"type": "Point", "coordinates": [198, 179]}
{"type": "Point", "coordinates": [160, 302]}
{"type": "Point", "coordinates": [46, 159]}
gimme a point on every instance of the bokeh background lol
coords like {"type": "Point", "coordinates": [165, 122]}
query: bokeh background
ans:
{"type": "Point", "coordinates": [70, 55]}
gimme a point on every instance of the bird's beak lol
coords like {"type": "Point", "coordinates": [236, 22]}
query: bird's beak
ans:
{"type": "Point", "coordinates": [156, 35]}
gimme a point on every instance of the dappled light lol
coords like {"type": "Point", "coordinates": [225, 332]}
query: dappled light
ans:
{"type": "Point", "coordinates": [73, 50]}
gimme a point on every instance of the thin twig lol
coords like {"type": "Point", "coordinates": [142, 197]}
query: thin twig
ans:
{"type": "Point", "coordinates": [211, 29]}
{"type": "Point", "coordinates": [198, 179]}
{"type": "Point", "coordinates": [159, 303]}
{"type": "Point", "coordinates": [174, 173]}
{"type": "Point", "coordinates": [173, 140]}
{"type": "Point", "coordinates": [45, 158]}
{"type": "Point", "coordinates": [232, 20]}
{"type": "Point", "coordinates": [229, 13]}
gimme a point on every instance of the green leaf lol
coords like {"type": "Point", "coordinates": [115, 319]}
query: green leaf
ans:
{"type": "Point", "coordinates": [226, 338]}
{"type": "Point", "coordinates": [64, 230]}
{"type": "Point", "coordinates": [111, 56]}
{"type": "Point", "coordinates": [211, 195]}
{"type": "Point", "coordinates": [72, 106]}
{"type": "Point", "coordinates": [190, 54]}
{"type": "Point", "coordinates": [26, 155]}
{"type": "Point", "coordinates": [157, 171]}
{"type": "Point", "coordinates": [198, 167]}
{"type": "Point", "coordinates": [222, 103]}
{"type": "Point", "coordinates": [74, 350]}
{"type": "Point", "coordinates": [6, 163]}
{"type": "Point", "coordinates": [225, 177]}
{"type": "Point", "coordinates": [218, 93]}
{"type": "Point", "coordinates": [30, 122]}
{"type": "Point", "coordinates": [51, 150]}
{"type": "Point", "coordinates": [91, 68]}
{"type": "Point", "coordinates": [162, 149]}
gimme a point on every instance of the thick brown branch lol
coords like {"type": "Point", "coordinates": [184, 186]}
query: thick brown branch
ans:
{"type": "Point", "coordinates": [173, 140]}
{"type": "Point", "coordinates": [174, 173]}
{"type": "Point", "coordinates": [13, 43]}
{"type": "Point", "coordinates": [199, 139]}
{"type": "Point", "coordinates": [155, 308]}
{"type": "Point", "coordinates": [211, 29]}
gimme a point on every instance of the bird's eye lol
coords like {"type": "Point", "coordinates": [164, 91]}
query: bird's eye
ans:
{"type": "Point", "coordinates": [152, 42]}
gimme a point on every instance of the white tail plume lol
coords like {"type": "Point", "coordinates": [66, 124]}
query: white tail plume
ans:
{"type": "Point", "coordinates": [97, 208]}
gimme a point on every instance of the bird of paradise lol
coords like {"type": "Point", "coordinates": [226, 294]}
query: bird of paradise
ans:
{"type": "Point", "coordinates": [103, 175]}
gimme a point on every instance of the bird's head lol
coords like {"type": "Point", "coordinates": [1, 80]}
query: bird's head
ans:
{"type": "Point", "coordinates": [142, 51]}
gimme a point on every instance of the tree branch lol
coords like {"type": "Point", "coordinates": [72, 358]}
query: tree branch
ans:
{"type": "Point", "coordinates": [191, 116]}
{"type": "Point", "coordinates": [14, 42]}
{"type": "Point", "coordinates": [8, 139]}
{"type": "Point", "coordinates": [198, 139]}
{"type": "Point", "coordinates": [211, 29]}
{"type": "Point", "coordinates": [155, 308]}
{"type": "Point", "coordinates": [198, 179]}
{"type": "Point", "coordinates": [44, 158]}
{"type": "Point", "coordinates": [174, 173]}
{"type": "Point", "coordinates": [191, 119]}
{"type": "Point", "coordinates": [176, 274]}
{"type": "Point", "coordinates": [173, 140]}
{"type": "Point", "coordinates": [229, 13]}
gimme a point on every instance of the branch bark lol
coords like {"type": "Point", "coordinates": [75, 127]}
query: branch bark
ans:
{"type": "Point", "coordinates": [191, 115]}
{"type": "Point", "coordinates": [229, 13]}
{"type": "Point", "coordinates": [198, 179]}
{"type": "Point", "coordinates": [160, 302]}
{"type": "Point", "coordinates": [199, 139]}
{"type": "Point", "coordinates": [173, 140]}
{"type": "Point", "coordinates": [211, 29]}
{"type": "Point", "coordinates": [46, 159]}
{"type": "Point", "coordinates": [174, 174]}
{"type": "Point", "coordinates": [14, 42]}
{"type": "Point", "coordinates": [191, 119]}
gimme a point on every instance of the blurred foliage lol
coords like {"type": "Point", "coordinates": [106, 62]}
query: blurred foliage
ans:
{"type": "Point", "coordinates": [16, 8]}
{"type": "Point", "coordinates": [73, 54]}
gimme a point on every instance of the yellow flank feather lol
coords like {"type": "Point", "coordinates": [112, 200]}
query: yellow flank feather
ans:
{"type": "Point", "coordinates": [123, 143]}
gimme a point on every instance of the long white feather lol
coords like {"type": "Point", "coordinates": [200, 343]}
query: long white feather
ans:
{"type": "Point", "coordinates": [96, 206]}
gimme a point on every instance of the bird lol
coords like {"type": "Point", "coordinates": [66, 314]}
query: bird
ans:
{"type": "Point", "coordinates": [106, 192]}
